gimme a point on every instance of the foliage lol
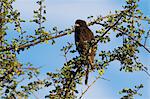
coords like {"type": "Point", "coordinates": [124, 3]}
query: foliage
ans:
{"type": "Point", "coordinates": [125, 24]}
{"type": "Point", "coordinates": [131, 92]}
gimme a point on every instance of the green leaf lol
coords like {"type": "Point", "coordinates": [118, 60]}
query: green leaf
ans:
{"type": "Point", "coordinates": [18, 29]}
{"type": "Point", "coordinates": [46, 41]}
{"type": "Point", "coordinates": [101, 72]}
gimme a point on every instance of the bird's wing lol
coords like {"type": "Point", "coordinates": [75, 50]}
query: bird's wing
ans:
{"type": "Point", "coordinates": [83, 37]}
{"type": "Point", "coordinates": [87, 34]}
{"type": "Point", "coordinates": [90, 50]}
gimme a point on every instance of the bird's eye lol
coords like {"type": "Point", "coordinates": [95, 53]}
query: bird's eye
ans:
{"type": "Point", "coordinates": [77, 25]}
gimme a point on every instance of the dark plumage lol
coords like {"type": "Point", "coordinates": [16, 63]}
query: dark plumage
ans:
{"type": "Point", "coordinates": [83, 37]}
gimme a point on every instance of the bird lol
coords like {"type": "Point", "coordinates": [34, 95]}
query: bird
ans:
{"type": "Point", "coordinates": [83, 38]}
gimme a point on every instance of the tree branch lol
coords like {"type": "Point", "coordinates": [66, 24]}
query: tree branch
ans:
{"type": "Point", "coordinates": [91, 85]}
{"type": "Point", "coordinates": [148, 33]}
{"type": "Point", "coordinates": [143, 45]}
{"type": "Point", "coordinates": [33, 42]}
{"type": "Point", "coordinates": [37, 40]}
{"type": "Point", "coordinates": [134, 40]}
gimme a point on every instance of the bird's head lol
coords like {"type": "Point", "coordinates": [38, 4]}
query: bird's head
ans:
{"type": "Point", "coordinates": [80, 23]}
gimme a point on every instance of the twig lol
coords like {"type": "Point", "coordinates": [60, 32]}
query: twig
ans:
{"type": "Point", "coordinates": [34, 43]}
{"type": "Point", "coordinates": [146, 72]}
{"type": "Point", "coordinates": [108, 29]}
{"type": "Point", "coordinates": [66, 93]}
{"type": "Point", "coordinates": [91, 85]}
{"type": "Point", "coordinates": [36, 97]}
{"type": "Point", "coordinates": [146, 37]}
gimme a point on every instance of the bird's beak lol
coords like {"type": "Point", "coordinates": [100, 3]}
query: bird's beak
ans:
{"type": "Point", "coordinates": [77, 25]}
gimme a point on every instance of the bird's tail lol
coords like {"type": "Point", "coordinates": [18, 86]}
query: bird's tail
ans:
{"type": "Point", "coordinates": [87, 75]}
{"type": "Point", "coordinates": [89, 65]}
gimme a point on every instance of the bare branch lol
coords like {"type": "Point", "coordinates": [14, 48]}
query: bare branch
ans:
{"type": "Point", "coordinates": [146, 37]}
{"type": "Point", "coordinates": [91, 85]}
{"type": "Point", "coordinates": [146, 72]}
{"type": "Point", "coordinates": [36, 97]}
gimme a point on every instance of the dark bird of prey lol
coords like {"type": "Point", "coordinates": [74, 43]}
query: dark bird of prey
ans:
{"type": "Point", "coordinates": [83, 38]}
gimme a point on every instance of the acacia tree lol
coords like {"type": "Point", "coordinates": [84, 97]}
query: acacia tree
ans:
{"type": "Point", "coordinates": [126, 24]}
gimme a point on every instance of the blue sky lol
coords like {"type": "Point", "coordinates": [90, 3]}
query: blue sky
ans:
{"type": "Point", "coordinates": [63, 13]}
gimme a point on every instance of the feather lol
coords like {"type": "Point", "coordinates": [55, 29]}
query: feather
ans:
{"type": "Point", "coordinates": [83, 38]}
